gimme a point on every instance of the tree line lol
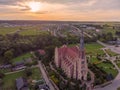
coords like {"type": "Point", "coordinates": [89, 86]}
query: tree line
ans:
{"type": "Point", "coordinates": [13, 45]}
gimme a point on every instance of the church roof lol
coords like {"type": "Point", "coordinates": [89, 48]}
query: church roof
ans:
{"type": "Point", "coordinates": [71, 52]}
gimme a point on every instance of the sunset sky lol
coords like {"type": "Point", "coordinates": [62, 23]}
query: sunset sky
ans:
{"type": "Point", "coordinates": [67, 10]}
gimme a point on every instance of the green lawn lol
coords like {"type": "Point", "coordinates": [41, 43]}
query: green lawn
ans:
{"type": "Point", "coordinates": [94, 60]}
{"type": "Point", "coordinates": [9, 80]}
{"type": "Point", "coordinates": [111, 53]}
{"type": "Point", "coordinates": [5, 70]}
{"type": "Point", "coordinates": [108, 68]}
{"type": "Point", "coordinates": [25, 30]}
{"type": "Point", "coordinates": [118, 63]}
{"type": "Point", "coordinates": [94, 48]}
{"type": "Point", "coordinates": [22, 57]}
{"type": "Point", "coordinates": [29, 32]}
{"type": "Point", "coordinates": [33, 32]}
{"type": "Point", "coordinates": [7, 30]}
{"type": "Point", "coordinates": [36, 74]}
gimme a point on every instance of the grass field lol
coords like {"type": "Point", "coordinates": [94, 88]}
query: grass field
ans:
{"type": "Point", "coordinates": [36, 74]}
{"type": "Point", "coordinates": [33, 32]}
{"type": "Point", "coordinates": [22, 57]}
{"type": "Point", "coordinates": [118, 63]}
{"type": "Point", "coordinates": [5, 70]}
{"type": "Point", "coordinates": [94, 60]}
{"type": "Point", "coordinates": [108, 68]}
{"type": "Point", "coordinates": [111, 53]}
{"type": "Point", "coordinates": [9, 80]}
{"type": "Point", "coordinates": [25, 30]}
{"type": "Point", "coordinates": [93, 48]}
{"type": "Point", "coordinates": [7, 30]}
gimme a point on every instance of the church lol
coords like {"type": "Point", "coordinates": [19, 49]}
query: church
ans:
{"type": "Point", "coordinates": [72, 60]}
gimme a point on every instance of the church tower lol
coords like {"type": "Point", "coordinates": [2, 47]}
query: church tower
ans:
{"type": "Point", "coordinates": [83, 68]}
{"type": "Point", "coordinates": [82, 49]}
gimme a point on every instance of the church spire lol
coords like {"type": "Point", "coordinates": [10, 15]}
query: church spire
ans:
{"type": "Point", "coordinates": [82, 46]}
{"type": "Point", "coordinates": [82, 41]}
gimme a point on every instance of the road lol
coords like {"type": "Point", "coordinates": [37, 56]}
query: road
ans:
{"type": "Point", "coordinates": [111, 47]}
{"type": "Point", "coordinates": [78, 29]}
{"type": "Point", "coordinates": [116, 82]}
{"type": "Point", "coordinates": [45, 76]}
{"type": "Point", "coordinates": [90, 83]}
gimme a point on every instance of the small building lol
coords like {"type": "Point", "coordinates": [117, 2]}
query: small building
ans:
{"type": "Point", "coordinates": [28, 60]}
{"type": "Point", "coordinates": [20, 63]}
{"type": "Point", "coordinates": [6, 66]}
{"type": "Point", "coordinates": [18, 68]}
{"type": "Point", "coordinates": [41, 52]}
{"type": "Point", "coordinates": [21, 84]}
{"type": "Point", "coordinates": [43, 87]}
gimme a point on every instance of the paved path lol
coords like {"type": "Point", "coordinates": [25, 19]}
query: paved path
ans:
{"type": "Point", "coordinates": [17, 71]}
{"type": "Point", "coordinates": [90, 83]}
{"type": "Point", "coordinates": [14, 71]}
{"type": "Point", "coordinates": [78, 29]}
{"type": "Point", "coordinates": [45, 76]}
{"type": "Point", "coordinates": [116, 82]}
{"type": "Point", "coordinates": [111, 47]}
{"type": "Point", "coordinates": [105, 52]}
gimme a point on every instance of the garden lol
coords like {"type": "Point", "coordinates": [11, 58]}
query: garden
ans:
{"type": "Point", "coordinates": [110, 52]}
{"type": "Point", "coordinates": [9, 79]}
{"type": "Point", "coordinates": [118, 63]}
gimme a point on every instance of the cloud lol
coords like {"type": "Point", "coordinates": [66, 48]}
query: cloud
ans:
{"type": "Point", "coordinates": [65, 9]}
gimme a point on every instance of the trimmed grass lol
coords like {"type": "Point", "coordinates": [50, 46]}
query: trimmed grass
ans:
{"type": "Point", "coordinates": [108, 68]}
{"type": "Point", "coordinates": [94, 60]}
{"type": "Point", "coordinates": [9, 80]}
{"type": "Point", "coordinates": [5, 70]}
{"type": "Point", "coordinates": [22, 57]}
{"type": "Point", "coordinates": [111, 53]}
{"type": "Point", "coordinates": [36, 74]}
{"type": "Point", "coordinates": [29, 32]}
{"type": "Point", "coordinates": [26, 30]}
{"type": "Point", "coordinates": [7, 30]}
{"type": "Point", "coordinates": [94, 48]}
{"type": "Point", "coordinates": [118, 63]}
{"type": "Point", "coordinates": [33, 32]}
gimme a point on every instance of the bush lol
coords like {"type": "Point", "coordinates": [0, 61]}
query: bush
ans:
{"type": "Point", "coordinates": [2, 75]}
{"type": "Point", "coordinates": [28, 72]}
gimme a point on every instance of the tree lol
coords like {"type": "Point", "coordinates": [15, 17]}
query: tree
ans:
{"type": "Point", "coordinates": [8, 55]}
{"type": "Point", "coordinates": [28, 72]}
{"type": "Point", "coordinates": [2, 75]}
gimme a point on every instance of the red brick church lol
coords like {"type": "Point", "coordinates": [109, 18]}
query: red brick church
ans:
{"type": "Point", "coordinates": [72, 60]}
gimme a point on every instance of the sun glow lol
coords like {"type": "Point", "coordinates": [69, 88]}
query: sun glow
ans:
{"type": "Point", "coordinates": [34, 6]}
